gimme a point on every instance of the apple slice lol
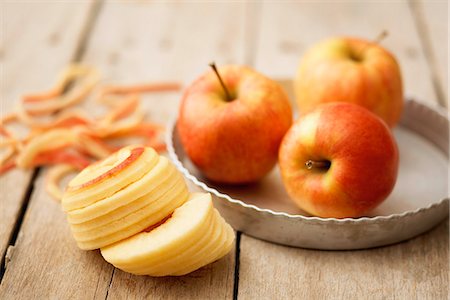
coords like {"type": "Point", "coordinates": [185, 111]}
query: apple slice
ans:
{"type": "Point", "coordinates": [211, 245]}
{"type": "Point", "coordinates": [204, 255]}
{"type": "Point", "coordinates": [104, 178]}
{"type": "Point", "coordinates": [174, 179]}
{"type": "Point", "coordinates": [188, 224]}
{"type": "Point", "coordinates": [181, 257]}
{"type": "Point", "coordinates": [165, 203]}
{"type": "Point", "coordinates": [181, 231]}
{"type": "Point", "coordinates": [133, 223]}
{"type": "Point", "coordinates": [216, 250]}
{"type": "Point", "coordinates": [150, 181]}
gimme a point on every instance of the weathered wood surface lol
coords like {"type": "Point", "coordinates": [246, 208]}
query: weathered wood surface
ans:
{"type": "Point", "coordinates": [431, 15]}
{"type": "Point", "coordinates": [43, 39]}
{"type": "Point", "coordinates": [155, 41]}
{"type": "Point", "coordinates": [416, 269]}
{"type": "Point", "coordinates": [37, 41]}
{"type": "Point", "coordinates": [46, 263]}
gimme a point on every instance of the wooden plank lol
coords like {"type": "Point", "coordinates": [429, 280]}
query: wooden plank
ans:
{"type": "Point", "coordinates": [414, 269]}
{"type": "Point", "coordinates": [288, 30]}
{"type": "Point", "coordinates": [432, 19]}
{"type": "Point", "coordinates": [174, 44]}
{"type": "Point", "coordinates": [45, 262]}
{"type": "Point", "coordinates": [417, 269]}
{"type": "Point", "coordinates": [37, 40]}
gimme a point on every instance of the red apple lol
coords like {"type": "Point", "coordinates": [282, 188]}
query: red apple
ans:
{"type": "Point", "coordinates": [340, 160]}
{"type": "Point", "coordinates": [350, 70]}
{"type": "Point", "coordinates": [234, 140]}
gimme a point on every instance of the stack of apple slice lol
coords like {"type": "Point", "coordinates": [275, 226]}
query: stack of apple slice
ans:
{"type": "Point", "coordinates": [195, 235]}
{"type": "Point", "coordinates": [122, 195]}
{"type": "Point", "coordinates": [133, 206]}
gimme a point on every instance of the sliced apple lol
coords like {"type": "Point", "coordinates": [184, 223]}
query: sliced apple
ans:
{"type": "Point", "coordinates": [214, 251]}
{"type": "Point", "coordinates": [132, 224]}
{"type": "Point", "coordinates": [164, 203]}
{"type": "Point", "coordinates": [179, 257]}
{"type": "Point", "coordinates": [187, 227]}
{"type": "Point", "coordinates": [137, 189]}
{"type": "Point", "coordinates": [204, 252]}
{"type": "Point", "coordinates": [187, 223]}
{"type": "Point", "coordinates": [104, 178]}
{"type": "Point", "coordinates": [156, 190]}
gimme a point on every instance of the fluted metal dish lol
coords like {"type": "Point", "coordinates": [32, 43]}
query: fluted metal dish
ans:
{"type": "Point", "coordinates": [418, 203]}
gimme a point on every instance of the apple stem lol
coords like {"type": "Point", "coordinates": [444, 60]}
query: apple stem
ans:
{"type": "Point", "coordinates": [381, 36]}
{"type": "Point", "coordinates": [310, 164]}
{"type": "Point", "coordinates": [227, 94]}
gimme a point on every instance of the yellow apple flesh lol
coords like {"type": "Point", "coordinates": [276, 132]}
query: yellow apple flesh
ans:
{"type": "Point", "coordinates": [195, 235]}
{"type": "Point", "coordinates": [120, 198]}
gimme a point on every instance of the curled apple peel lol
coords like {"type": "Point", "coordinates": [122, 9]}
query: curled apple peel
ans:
{"type": "Point", "coordinates": [57, 132]}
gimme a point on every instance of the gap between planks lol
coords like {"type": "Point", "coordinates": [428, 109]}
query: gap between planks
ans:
{"type": "Point", "coordinates": [17, 225]}
{"type": "Point", "coordinates": [420, 23]}
{"type": "Point", "coordinates": [252, 29]}
{"type": "Point", "coordinates": [80, 48]}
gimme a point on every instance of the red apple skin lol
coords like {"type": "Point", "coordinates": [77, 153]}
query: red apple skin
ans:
{"type": "Point", "coordinates": [135, 153]}
{"type": "Point", "coordinates": [234, 142]}
{"type": "Point", "coordinates": [350, 70]}
{"type": "Point", "coordinates": [363, 154]}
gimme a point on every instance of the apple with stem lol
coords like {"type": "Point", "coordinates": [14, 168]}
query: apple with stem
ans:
{"type": "Point", "coordinates": [231, 122]}
{"type": "Point", "coordinates": [340, 160]}
{"type": "Point", "coordinates": [351, 70]}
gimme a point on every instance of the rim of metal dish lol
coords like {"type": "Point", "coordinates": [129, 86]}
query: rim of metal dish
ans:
{"type": "Point", "coordinates": [188, 175]}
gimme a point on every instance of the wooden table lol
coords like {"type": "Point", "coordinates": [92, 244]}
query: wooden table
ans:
{"type": "Point", "coordinates": [149, 40]}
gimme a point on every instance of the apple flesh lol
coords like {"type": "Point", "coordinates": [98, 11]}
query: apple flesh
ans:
{"type": "Point", "coordinates": [340, 160]}
{"type": "Point", "coordinates": [234, 141]}
{"type": "Point", "coordinates": [130, 208]}
{"type": "Point", "coordinates": [102, 179]}
{"type": "Point", "coordinates": [193, 236]}
{"type": "Point", "coordinates": [350, 70]}
{"type": "Point", "coordinates": [103, 170]}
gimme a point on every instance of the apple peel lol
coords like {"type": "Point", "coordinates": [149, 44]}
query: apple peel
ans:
{"type": "Point", "coordinates": [54, 176]}
{"type": "Point", "coordinates": [44, 114]}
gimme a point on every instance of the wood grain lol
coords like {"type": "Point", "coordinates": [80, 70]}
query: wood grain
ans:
{"type": "Point", "coordinates": [156, 42]}
{"type": "Point", "coordinates": [214, 281]}
{"type": "Point", "coordinates": [288, 30]}
{"type": "Point", "coordinates": [416, 269]}
{"type": "Point", "coordinates": [31, 56]}
{"type": "Point", "coordinates": [46, 262]}
{"type": "Point", "coordinates": [432, 17]}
